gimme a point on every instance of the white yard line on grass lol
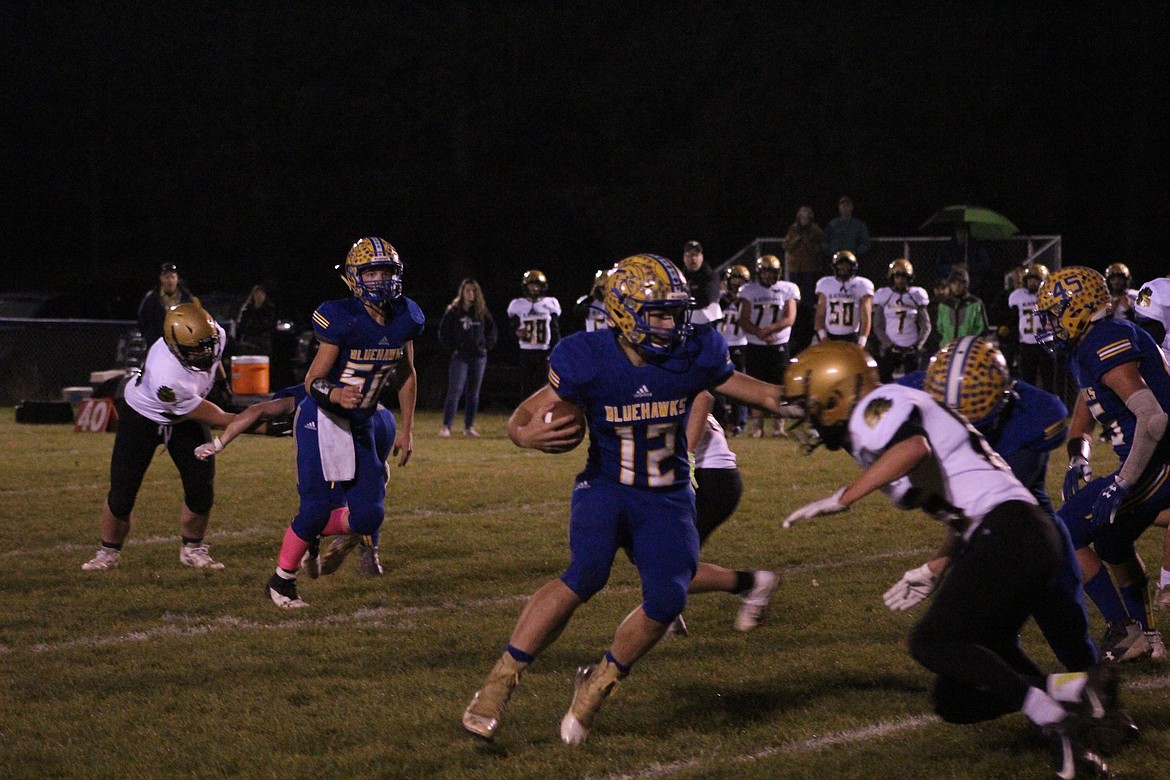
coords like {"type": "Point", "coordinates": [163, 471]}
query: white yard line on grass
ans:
{"type": "Point", "coordinates": [381, 616]}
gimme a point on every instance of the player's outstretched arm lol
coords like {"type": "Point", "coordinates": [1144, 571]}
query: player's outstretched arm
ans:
{"type": "Point", "coordinates": [246, 421]}
{"type": "Point", "coordinates": [407, 399]}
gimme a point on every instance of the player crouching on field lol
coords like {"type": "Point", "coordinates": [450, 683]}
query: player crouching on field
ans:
{"type": "Point", "coordinates": [167, 404]}
{"type": "Point", "coordinates": [1005, 552]}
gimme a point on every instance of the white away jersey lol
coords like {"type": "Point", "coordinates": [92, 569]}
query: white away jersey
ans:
{"type": "Point", "coordinates": [962, 469]}
{"type": "Point", "coordinates": [768, 307]}
{"type": "Point", "coordinates": [1024, 303]}
{"type": "Point", "coordinates": [713, 452]}
{"type": "Point", "coordinates": [167, 390]}
{"type": "Point", "coordinates": [729, 326]}
{"type": "Point", "coordinates": [535, 320]}
{"type": "Point", "coordinates": [1153, 303]}
{"type": "Point", "coordinates": [900, 311]}
{"type": "Point", "coordinates": [1124, 305]}
{"type": "Point", "coordinates": [843, 303]}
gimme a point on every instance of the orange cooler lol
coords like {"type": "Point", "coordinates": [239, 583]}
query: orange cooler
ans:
{"type": "Point", "coordinates": [250, 374]}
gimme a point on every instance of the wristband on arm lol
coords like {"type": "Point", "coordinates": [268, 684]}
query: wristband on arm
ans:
{"type": "Point", "coordinates": [320, 389]}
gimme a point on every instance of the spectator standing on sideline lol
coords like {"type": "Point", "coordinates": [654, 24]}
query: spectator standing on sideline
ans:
{"type": "Point", "coordinates": [844, 302]}
{"type": "Point", "coordinates": [255, 324]}
{"type": "Point", "coordinates": [152, 309]}
{"type": "Point", "coordinates": [942, 292]}
{"type": "Point", "coordinates": [468, 332]}
{"type": "Point", "coordinates": [802, 253]}
{"type": "Point", "coordinates": [846, 232]}
{"type": "Point", "coordinates": [703, 283]}
{"type": "Point", "coordinates": [167, 404]}
{"type": "Point", "coordinates": [535, 318]}
{"type": "Point", "coordinates": [1123, 296]}
{"type": "Point", "coordinates": [1036, 365]}
{"type": "Point", "coordinates": [961, 314]}
{"type": "Point", "coordinates": [901, 321]}
{"type": "Point", "coordinates": [767, 309]}
{"type": "Point", "coordinates": [635, 491]}
{"type": "Point", "coordinates": [734, 413]}
{"type": "Point", "coordinates": [366, 346]}
{"type": "Point", "coordinates": [964, 252]}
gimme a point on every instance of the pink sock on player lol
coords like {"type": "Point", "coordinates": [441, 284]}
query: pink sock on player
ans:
{"type": "Point", "coordinates": [338, 522]}
{"type": "Point", "coordinates": [292, 549]}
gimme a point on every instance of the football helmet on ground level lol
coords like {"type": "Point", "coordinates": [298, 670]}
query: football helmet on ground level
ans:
{"type": "Point", "coordinates": [534, 284]}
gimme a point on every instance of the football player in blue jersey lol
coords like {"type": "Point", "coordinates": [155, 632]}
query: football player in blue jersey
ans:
{"type": "Point", "coordinates": [366, 347]}
{"type": "Point", "coordinates": [1124, 385]}
{"type": "Point", "coordinates": [635, 382]}
{"type": "Point", "coordinates": [277, 415]}
{"type": "Point", "coordinates": [1023, 424]}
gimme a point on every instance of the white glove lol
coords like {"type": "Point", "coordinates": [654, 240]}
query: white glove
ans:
{"type": "Point", "coordinates": [205, 451]}
{"type": "Point", "coordinates": [861, 341]}
{"type": "Point", "coordinates": [826, 506]}
{"type": "Point", "coordinates": [909, 591]}
{"type": "Point", "coordinates": [822, 336]}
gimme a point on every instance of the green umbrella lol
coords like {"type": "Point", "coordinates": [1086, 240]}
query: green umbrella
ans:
{"type": "Point", "coordinates": [981, 223]}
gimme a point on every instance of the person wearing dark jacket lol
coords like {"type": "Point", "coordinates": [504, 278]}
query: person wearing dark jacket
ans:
{"type": "Point", "coordinates": [468, 332]}
{"type": "Point", "coordinates": [255, 324]}
{"type": "Point", "coordinates": [703, 283]}
{"type": "Point", "coordinates": [152, 310]}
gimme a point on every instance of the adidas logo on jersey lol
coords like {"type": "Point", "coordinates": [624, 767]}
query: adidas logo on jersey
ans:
{"type": "Point", "coordinates": [311, 425]}
{"type": "Point", "coordinates": [385, 342]}
{"type": "Point", "coordinates": [643, 392]}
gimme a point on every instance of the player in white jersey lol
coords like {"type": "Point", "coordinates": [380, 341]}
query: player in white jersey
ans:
{"type": "Point", "coordinates": [589, 310]}
{"type": "Point", "coordinates": [1036, 366]}
{"type": "Point", "coordinates": [1153, 311]}
{"type": "Point", "coordinates": [767, 309]}
{"type": "Point", "coordinates": [1124, 297]}
{"type": "Point", "coordinates": [900, 321]}
{"type": "Point", "coordinates": [166, 404]}
{"type": "Point", "coordinates": [733, 413]}
{"type": "Point", "coordinates": [1006, 550]}
{"type": "Point", "coordinates": [844, 302]}
{"type": "Point", "coordinates": [535, 318]}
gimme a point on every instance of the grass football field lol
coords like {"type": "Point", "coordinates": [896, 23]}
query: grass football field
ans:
{"type": "Point", "coordinates": [157, 670]}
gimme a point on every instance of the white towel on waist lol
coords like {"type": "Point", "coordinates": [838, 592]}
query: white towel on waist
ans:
{"type": "Point", "coordinates": [338, 461]}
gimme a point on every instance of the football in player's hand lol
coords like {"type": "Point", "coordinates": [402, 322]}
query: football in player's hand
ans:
{"type": "Point", "coordinates": [563, 409]}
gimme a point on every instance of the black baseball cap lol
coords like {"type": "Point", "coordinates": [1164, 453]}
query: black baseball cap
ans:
{"type": "Point", "coordinates": [168, 268]}
{"type": "Point", "coordinates": [692, 246]}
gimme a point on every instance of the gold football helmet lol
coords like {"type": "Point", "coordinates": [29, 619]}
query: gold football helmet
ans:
{"type": "Point", "coordinates": [970, 375]}
{"type": "Point", "coordinates": [534, 284]}
{"type": "Point", "coordinates": [367, 254]}
{"type": "Point", "coordinates": [1118, 269]}
{"type": "Point", "coordinates": [1036, 271]}
{"type": "Point", "coordinates": [639, 285]}
{"type": "Point", "coordinates": [191, 335]}
{"type": "Point", "coordinates": [1068, 302]}
{"type": "Point", "coordinates": [769, 264]}
{"type": "Point", "coordinates": [739, 272]}
{"type": "Point", "coordinates": [900, 266]}
{"type": "Point", "coordinates": [827, 380]}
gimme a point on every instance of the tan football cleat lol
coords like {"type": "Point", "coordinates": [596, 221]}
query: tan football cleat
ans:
{"type": "Point", "coordinates": [592, 685]}
{"type": "Point", "coordinates": [336, 552]}
{"type": "Point", "coordinates": [482, 716]}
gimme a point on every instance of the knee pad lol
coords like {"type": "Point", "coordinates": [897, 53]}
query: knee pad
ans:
{"type": "Point", "coordinates": [665, 602]}
{"type": "Point", "coordinates": [366, 521]}
{"type": "Point", "coordinates": [121, 501]}
{"type": "Point", "coordinates": [200, 498]}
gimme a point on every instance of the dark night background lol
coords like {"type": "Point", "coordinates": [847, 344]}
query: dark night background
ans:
{"type": "Point", "coordinates": [255, 141]}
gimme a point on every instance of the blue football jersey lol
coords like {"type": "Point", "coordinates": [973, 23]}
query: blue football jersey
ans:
{"type": "Point", "coordinates": [370, 353]}
{"type": "Point", "coordinates": [1036, 420]}
{"type": "Point", "coordinates": [1108, 344]}
{"type": "Point", "coordinates": [637, 415]}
